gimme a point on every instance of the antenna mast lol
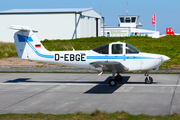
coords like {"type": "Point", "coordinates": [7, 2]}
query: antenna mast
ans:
{"type": "Point", "coordinates": [127, 8]}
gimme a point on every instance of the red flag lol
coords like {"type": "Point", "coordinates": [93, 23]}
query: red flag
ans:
{"type": "Point", "coordinates": [169, 31]}
{"type": "Point", "coordinates": [154, 20]}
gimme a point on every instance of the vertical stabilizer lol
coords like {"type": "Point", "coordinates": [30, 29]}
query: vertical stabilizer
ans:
{"type": "Point", "coordinates": [27, 44]}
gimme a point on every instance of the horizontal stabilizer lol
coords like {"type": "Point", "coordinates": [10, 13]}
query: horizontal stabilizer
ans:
{"type": "Point", "coordinates": [21, 27]}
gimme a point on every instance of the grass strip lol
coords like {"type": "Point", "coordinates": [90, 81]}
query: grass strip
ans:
{"type": "Point", "coordinates": [96, 115]}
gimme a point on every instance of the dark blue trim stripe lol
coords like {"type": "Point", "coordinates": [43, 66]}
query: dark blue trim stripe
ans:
{"type": "Point", "coordinates": [119, 57]}
{"type": "Point", "coordinates": [23, 38]}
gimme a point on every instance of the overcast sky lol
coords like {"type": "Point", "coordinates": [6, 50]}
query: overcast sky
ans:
{"type": "Point", "coordinates": [167, 11]}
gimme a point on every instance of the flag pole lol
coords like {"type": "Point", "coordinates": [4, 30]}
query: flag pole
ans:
{"type": "Point", "coordinates": [155, 22]}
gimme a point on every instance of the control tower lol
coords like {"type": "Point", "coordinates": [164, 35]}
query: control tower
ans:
{"type": "Point", "coordinates": [128, 26]}
{"type": "Point", "coordinates": [129, 21]}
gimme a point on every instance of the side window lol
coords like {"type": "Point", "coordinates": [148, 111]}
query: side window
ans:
{"type": "Point", "coordinates": [102, 49]}
{"type": "Point", "coordinates": [117, 49]}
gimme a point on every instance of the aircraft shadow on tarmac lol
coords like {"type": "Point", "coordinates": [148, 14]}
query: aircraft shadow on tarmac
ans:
{"type": "Point", "coordinates": [106, 89]}
{"type": "Point", "coordinates": [102, 87]}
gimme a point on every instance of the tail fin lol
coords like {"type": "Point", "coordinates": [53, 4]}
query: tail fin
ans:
{"type": "Point", "coordinates": [27, 44]}
{"type": "Point", "coordinates": [169, 31]}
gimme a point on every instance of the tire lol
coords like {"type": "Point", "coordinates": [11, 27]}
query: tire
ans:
{"type": "Point", "coordinates": [112, 83]}
{"type": "Point", "coordinates": [150, 81]}
{"type": "Point", "coordinates": [118, 78]}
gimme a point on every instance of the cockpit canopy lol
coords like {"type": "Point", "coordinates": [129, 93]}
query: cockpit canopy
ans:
{"type": "Point", "coordinates": [131, 49]}
{"type": "Point", "coordinates": [116, 48]}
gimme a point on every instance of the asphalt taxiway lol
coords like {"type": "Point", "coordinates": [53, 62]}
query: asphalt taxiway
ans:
{"type": "Point", "coordinates": [68, 93]}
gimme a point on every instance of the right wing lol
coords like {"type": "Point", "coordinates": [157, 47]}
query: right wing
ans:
{"type": "Point", "coordinates": [110, 66]}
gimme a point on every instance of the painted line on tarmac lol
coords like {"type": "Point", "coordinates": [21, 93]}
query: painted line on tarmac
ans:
{"type": "Point", "coordinates": [92, 84]}
{"type": "Point", "coordinates": [68, 84]}
{"type": "Point", "coordinates": [151, 85]}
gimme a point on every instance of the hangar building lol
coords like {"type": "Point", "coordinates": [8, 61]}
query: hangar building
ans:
{"type": "Point", "coordinates": [69, 23]}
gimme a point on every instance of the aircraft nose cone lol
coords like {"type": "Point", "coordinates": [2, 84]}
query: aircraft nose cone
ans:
{"type": "Point", "coordinates": [164, 58]}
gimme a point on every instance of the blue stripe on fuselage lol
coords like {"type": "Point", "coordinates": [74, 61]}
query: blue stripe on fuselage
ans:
{"type": "Point", "coordinates": [119, 57]}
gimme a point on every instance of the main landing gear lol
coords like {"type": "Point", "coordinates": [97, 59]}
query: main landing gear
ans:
{"type": "Point", "coordinates": [118, 78]}
{"type": "Point", "coordinates": [115, 79]}
{"type": "Point", "coordinates": [148, 79]}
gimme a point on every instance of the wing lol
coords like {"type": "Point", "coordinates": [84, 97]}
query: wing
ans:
{"type": "Point", "coordinates": [110, 66]}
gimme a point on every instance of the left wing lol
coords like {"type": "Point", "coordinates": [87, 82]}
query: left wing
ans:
{"type": "Point", "coordinates": [110, 66]}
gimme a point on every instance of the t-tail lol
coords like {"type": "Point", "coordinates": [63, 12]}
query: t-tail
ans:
{"type": "Point", "coordinates": [27, 44]}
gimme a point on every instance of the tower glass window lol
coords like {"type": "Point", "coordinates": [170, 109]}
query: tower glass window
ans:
{"type": "Point", "coordinates": [122, 19]}
{"type": "Point", "coordinates": [127, 19]}
{"type": "Point", "coordinates": [133, 19]}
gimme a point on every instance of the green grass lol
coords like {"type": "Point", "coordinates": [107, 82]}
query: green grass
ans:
{"type": "Point", "coordinates": [7, 50]}
{"type": "Point", "coordinates": [96, 115]}
{"type": "Point", "coordinates": [168, 45]}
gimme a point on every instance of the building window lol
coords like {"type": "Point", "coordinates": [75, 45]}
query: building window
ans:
{"type": "Point", "coordinates": [133, 19]}
{"type": "Point", "coordinates": [108, 34]}
{"type": "Point", "coordinates": [128, 19]}
{"type": "Point", "coordinates": [122, 19]}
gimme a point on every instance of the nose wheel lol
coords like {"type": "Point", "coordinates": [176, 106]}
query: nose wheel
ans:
{"type": "Point", "coordinates": [148, 79]}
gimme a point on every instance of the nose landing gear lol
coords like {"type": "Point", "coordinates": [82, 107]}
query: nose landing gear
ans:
{"type": "Point", "coordinates": [148, 79]}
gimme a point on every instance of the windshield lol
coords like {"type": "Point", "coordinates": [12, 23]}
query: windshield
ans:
{"type": "Point", "coordinates": [131, 49]}
{"type": "Point", "coordinates": [102, 49]}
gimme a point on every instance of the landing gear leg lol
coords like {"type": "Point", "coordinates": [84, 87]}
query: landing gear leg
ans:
{"type": "Point", "coordinates": [148, 79]}
{"type": "Point", "coordinates": [113, 81]}
{"type": "Point", "coordinates": [118, 77]}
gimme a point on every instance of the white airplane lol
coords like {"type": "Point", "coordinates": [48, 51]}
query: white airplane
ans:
{"type": "Point", "coordinates": [116, 57]}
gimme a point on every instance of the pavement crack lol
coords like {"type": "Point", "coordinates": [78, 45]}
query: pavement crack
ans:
{"type": "Point", "coordinates": [170, 111]}
{"type": "Point", "coordinates": [28, 97]}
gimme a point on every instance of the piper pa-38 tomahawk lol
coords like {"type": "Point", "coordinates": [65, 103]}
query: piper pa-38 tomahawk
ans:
{"type": "Point", "coordinates": [116, 57]}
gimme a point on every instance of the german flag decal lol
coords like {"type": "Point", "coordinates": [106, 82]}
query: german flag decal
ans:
{"type": "Point", "coordinates": [38, 46]}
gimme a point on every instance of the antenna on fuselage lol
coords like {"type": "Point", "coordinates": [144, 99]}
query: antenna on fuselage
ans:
{"type": "Point", "coordinates": [72, 46]}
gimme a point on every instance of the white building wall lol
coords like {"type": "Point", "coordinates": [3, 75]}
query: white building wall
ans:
{"type": "Point", "coordinates": [87, 27]}
{"type": "Point", "coordinates": [122, 32]}
{"type": "Point", "coordinates": [49, 26]}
